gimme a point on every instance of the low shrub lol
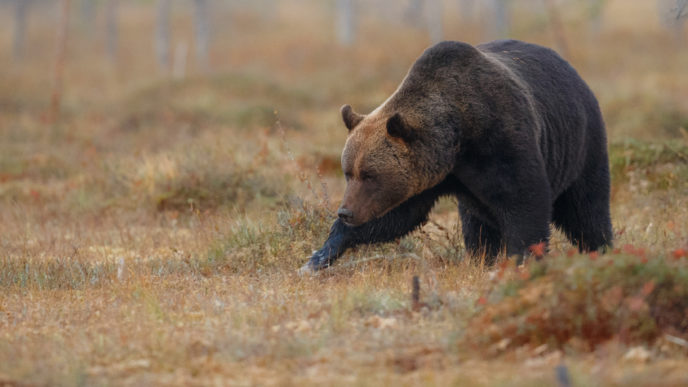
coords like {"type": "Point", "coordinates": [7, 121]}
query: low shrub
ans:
{"type": "Point", "coordinates": [583, 301]}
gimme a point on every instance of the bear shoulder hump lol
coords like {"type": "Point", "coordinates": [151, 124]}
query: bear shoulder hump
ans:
{"type": "Point", "coordinates": [447, 53]}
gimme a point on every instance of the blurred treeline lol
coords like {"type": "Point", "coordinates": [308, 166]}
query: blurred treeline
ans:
{"type": "Point", "coordinates": [179, 29]}
{"type": "Point", "coordinates": [632, 52]}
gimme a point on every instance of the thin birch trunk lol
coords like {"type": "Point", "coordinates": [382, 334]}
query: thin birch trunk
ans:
{"type": "Point", "coordinates": [58, 70]}
{"type": "Point", "coordinates": [202, 32]}
{"type": "Point", "coordinates": [501, 18]}
{"type": "Point", "coordinates": [434, 21]}
{"type": "Point", "coordinates": [345, 22]}
{"type": "Point", "coordinates": [557, 28]}
{"type": "Point", "coordinates": [162, 34]}
{"type": "Point", "coordinates": [21, 11]}
{"type": "Point", "coordinates": [111, 30]}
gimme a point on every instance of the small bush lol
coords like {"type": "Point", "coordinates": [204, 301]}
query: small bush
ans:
{"type": "Point", "coordinates": [198, 177]}
{"type": "Point", "coordinates": [251, 247]}
{"type": "Point", "coordinates": [584, 300]}
{"type": "Point", "coordinates": [659, 165]}
{"type": "Point", "coordinates": [206, 190]}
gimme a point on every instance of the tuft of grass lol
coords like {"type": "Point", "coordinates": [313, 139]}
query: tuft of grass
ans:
{"type": "Point", "coordinates": [661, 164]}
{"type": "Point", "coordinates": [206, 190]}
{"type": "Point", "coordinates": [57, 273]}
{"type": "Point", "coordinates": [198, 178]}
{"type": "Point", "coordinates": [284, 244]}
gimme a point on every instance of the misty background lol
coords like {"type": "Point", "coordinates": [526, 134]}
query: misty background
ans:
{"type": "Point", "coordinates": [60, 54]}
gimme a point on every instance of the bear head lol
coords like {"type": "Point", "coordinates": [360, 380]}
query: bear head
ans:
{"type": "Point", "coordinates": [410, 143]}
{"type": "Point", "coordinates": [383, 162]}
{"type": "Point", "coordinates": [376, 165]}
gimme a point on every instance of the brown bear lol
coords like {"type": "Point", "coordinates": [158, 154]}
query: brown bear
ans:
{"type": "Point", "coordinates": [507, 127]}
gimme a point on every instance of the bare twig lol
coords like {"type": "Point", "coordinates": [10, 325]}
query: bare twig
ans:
{"type": "Point", "coordinates": [562, 373]}
{"type": "Point", "coordinates": [415, 292]}
{"type": "Point", "coordinates": [676, 340]}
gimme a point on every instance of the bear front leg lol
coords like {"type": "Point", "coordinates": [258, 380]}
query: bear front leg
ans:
{"type": "Point", "coordinates": [395, 224]}
{"type": "Point", "coordinates": [481, 238]}
{"type": "Point", "coordinates": [517, 195]}
{"type": "Point", "coordinates": [335, 245]}
{"type": "Point", "coordinates": [525, 222]}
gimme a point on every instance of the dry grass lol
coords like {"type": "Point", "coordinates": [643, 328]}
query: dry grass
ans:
{"type": "Point", "coordinates": [152, 236]}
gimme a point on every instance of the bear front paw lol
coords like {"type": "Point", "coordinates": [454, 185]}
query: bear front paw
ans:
{"type": "Point", "coordinates": [306, 270]}
{"type": "Point", "coordinates": [319, 260]}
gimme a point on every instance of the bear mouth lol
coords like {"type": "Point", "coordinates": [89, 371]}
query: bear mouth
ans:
{"type": "Point", "coordinates": [356, 224]}
{"type": "Point", "coordinates": [373, 216]}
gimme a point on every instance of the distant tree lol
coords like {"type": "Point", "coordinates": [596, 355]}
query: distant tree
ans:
{"type": "Point", "coordinates": [681, 9]}
{"type": "Point", "coordinates": [466, 8]}
{"type": "Point", "coordinates": [179, 63]}
{"type": "Point", "coordinates": [673, 14]}
{"type": "Point", "coordinates": [162, 34]}
{"type": "Point", "coordinates": [61, 54]}
{"type": "Point", "coordinates": [413, 14]}
{"type": "Point", "coordinates": [21, 10]}
{"type": "Point", "coordinates": [501, 20]}
{"type": "Point", "coordinates": [87, 13]}
{"type": "Point", "coordinates": [346, 29]}
{"type": "Point", "coordinates": [202, 32]}
{"type": "Point", "coordinates": [557, 27]}
{"type": "Point", "coordinates": [426, 14]}
{"type": "Point", "coordinates": [434, 21]}
{"type": "Point", "coordinates": [111, 29]}
{"type": "Point", "coordinates": [596, 13]}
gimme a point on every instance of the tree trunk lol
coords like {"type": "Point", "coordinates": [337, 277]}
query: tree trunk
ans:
{"type": "Point", "coordinates": [345, 22]}
{"type": "Point", "coordinates": [87, 16]}
{"type": "Point", "coordinates": [162, 34]}
{"type": "Point", "coordinates": [202, 32]}
{"type": "Point", "coordinates": [58, 71]}
{"type": "Point", "coordinates": [434, 21]}
{"type": "Point", "coordinates": [501, 18]}
{"type": "Point", "coordinates": [557, 28]}
{"type": "Point", "coordinates": [680, 20]}
{"type": "Point", "coordinates": [21, 11]}
{"type": "Point", "coordinates": [596, 15]}
{"type": "Point", "coordinates": [179, 64]}
{"type": "Point", "coordinates": [466, 10]}
{"type": "Point", "coordinates": [112, 32]}
{"type": "Point", "coordinates": [413, 14]}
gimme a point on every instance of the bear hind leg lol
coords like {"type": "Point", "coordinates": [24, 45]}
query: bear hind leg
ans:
{"type": "Point", "coordinates": [582, 213]}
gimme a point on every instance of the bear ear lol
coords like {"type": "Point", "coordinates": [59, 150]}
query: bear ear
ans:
{"type": "Point", "coordinates": [396, 127]}
{"type": "Point", "coordinates": [350, 117]}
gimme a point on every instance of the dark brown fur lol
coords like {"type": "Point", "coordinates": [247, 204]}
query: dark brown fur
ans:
{"type": "Point", "coordinates": [509, 128]}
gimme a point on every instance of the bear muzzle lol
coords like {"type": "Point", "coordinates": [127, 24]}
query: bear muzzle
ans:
{"type": "Point", "coordinates": [345, 214]}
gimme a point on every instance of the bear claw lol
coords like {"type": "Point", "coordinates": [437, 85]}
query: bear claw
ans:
{"type": "Point", "coordinates": [306, 270]}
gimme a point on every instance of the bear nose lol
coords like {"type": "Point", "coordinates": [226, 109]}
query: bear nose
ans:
{"type": "Point", "coordinates": [345, 214]}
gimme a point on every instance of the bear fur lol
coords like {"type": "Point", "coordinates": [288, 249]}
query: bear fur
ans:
{"type": "Point", "coordinates": [507, 127]}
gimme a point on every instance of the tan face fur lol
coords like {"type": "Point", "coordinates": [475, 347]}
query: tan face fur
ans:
{"type": "Point", "coordinates": [377, 168]}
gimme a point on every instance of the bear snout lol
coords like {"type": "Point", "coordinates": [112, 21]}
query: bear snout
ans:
{"type": "Point", "coordinates": [345, 214]}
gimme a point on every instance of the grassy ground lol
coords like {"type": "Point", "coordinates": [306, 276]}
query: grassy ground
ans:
{"type": "Point", "coordinates": [153, 234]}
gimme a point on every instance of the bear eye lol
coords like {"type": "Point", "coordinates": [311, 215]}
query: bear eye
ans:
{"type": "Point", "coordinates": [365, 175]}
{"type": "Point", "coordinates": [347, 176]}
